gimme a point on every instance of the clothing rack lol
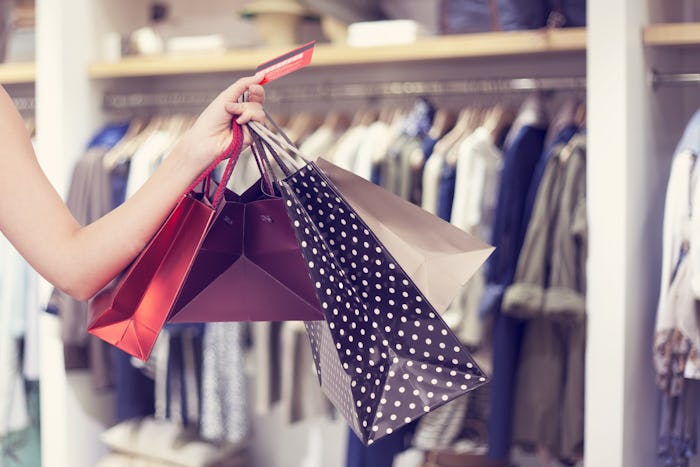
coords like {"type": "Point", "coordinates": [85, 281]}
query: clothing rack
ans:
{"type": "Point", "coordinates": [117, 101]}
{"type": "Point", "coordinates": [658, 80]}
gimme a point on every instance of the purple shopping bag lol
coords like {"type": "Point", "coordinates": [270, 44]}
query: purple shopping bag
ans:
{"type": "Point", "coordinates": [249, 267]}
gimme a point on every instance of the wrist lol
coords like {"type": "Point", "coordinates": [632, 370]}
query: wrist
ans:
{"type": "Point", "coordinates": [187, 157]}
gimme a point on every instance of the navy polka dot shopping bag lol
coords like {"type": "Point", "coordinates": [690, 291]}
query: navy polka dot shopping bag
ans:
{"type": "Point", "coordinates": [383, 354]}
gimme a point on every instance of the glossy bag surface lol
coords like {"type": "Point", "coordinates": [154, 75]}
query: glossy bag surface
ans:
{"type": "Point", "coordinates": [249, 267]}
{"type": "Point", "coordinates": [143, 298]}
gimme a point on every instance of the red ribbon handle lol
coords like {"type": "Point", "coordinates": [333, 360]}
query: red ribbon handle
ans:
{"type": "Point", "coordinates": [232, 152]}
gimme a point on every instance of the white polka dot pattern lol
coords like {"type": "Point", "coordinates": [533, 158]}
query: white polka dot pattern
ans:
{"type": "Point", "coordinates": [384, 356]}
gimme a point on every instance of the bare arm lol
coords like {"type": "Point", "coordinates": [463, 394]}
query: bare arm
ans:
{"type": "Point", "coordinates": [82, 260]}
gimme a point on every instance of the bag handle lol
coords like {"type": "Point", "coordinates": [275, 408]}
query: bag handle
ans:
{"type": "Point", "coordinates": [232, 152]}
{"type": "Point", "coordinates": [281, 146]}
{"type": "Point", "coordinates": [270, 144]}
{"type": "Point", "coordinates": [262, 162]}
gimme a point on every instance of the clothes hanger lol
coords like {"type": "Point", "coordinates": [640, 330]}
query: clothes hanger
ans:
{"type": "Point", "coordinates": [532, 113]}
{"type": "Point", "coordinates": [497, 120]}
{"type": "Point", "coordinates": [444, 120]}
{"type": "Point", "coordinates": [122, 149]}
{"type": "Point", "coordinates": [564, 115]}
{"type": "Point", "coordinates": [451, 136]}
{"type": "Point", "coordinates": [335, 121]}
{"type": "Point", "coordinates": [302, 125]}
{"type": "Point", "coordinates": [281, 118]}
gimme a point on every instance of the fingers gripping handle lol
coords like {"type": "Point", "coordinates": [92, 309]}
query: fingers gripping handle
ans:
{"type": "Point", "coordinates": [231, 152]}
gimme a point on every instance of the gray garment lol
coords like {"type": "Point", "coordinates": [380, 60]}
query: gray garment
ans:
{"type": "Point", "coordinates": [525, 298]}
{"type": "Point", "coordinates": [301, 394]}
{"type": "Point", "coordinates": [549, 289]}
{"type": "Point", "coordinates": [406, 176]}
{"type": "Point", "coordinates": [224, 415]}
{"type": "Point", "coordinates": [89, 198]}
{"type": "Point", "coordinates": [565, 296]}
{"type": "Point", "coordinates": [549, 401]}
{"type": "Point", "coordinates": [550, 276]}
{"type": "Point", "coordinates": [392, 166]}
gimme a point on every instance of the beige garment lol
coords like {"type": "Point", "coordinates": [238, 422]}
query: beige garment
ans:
{"type": "Point", "coordinates": [301, 396]}
{"type": "Point", "coordinates": [266, 355]}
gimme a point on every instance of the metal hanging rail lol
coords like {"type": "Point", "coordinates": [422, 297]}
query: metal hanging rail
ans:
{"type": "Point", "coordinates": [116, 101]}
{"type": "Point", "coordinates": [658, 80]}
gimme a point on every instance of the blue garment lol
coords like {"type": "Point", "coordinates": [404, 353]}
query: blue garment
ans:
{"type": "Point", "coordinates": [468, 16]}
{"type": "Point", "coordinates": [508, 334]}
{"type": "Point", "coordinates": [519, 162]}
{"type": "Point", "coordinates": [446, 191]}
{"type": "Point", "coordinates": [427, 146]}
{"type": "Point", "coordinates": [463, 17]}
{"type": "Point", "coordinates": [376, 176]}
{"type": "Point", "coordinates": [522, 14]}
{"type": "Point", "coordinates": [109, 136]}
{"type": "Point", "coordinates": [134, 395]}
{"type": "Point", "coordinates": [119, 177]}
{"type": "Point", "coordinates": [419, 119]}
{"type": "Point", "coordinates": [381, 453]}
{"type": "Point", "coordinates": [185, 349]}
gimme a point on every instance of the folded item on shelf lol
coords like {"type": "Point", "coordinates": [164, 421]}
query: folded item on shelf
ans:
{"type": "Point", "coordinates": [375, 33]}
{"type": "Point", "coordinates": [150, 442]}
{"type": "Point", "coordinates": [211, 43]}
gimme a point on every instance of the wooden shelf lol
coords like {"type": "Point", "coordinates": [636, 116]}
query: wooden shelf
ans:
{"type": "Point", "coordinates": [433, 48]}
{"type": "Point", "coordinates": [672, 34]}
{"type": "Point", "coordinates": [14, 73]}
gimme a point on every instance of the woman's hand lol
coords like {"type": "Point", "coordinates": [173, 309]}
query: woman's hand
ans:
{"type": "Point", "coordinates": [82, 259]}
{"type": "Point", "coordinates": [211, 133]}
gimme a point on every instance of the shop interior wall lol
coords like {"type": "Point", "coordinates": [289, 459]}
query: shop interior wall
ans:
{"type": "Point", "coordinates": [633, 167]}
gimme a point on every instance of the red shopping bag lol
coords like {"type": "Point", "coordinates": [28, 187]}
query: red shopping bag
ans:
{"type": "Point", "coordinates": [146, 293]}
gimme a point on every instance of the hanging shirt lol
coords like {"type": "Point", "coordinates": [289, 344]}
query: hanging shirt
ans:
{"type": "Point", "coordinates": [146, 159]}
{"type": "Point", "coordinates": [346, 151]}
{"type": "Point", "coordinates": [476, 188]}
{"type": "Point", "coordinates": [374, 138]}
{"type": "Point", "coordinates": [431, 181]}
{"type": "Point", "coordinates": [319, 142]}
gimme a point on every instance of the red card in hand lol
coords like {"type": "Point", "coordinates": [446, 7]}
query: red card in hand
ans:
{"type": "Point", "coordinates": [287, 63]}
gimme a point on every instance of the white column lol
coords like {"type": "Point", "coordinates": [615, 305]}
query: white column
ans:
{"type": "Point", "coordinates": [624, 182]}
{"type": "Point", "coordinates": [65, 111]}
